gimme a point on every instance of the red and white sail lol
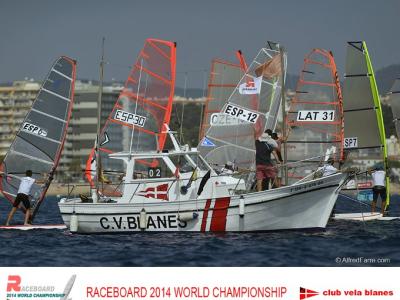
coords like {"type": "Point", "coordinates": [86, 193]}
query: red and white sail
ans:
{"type": "Point", "coordinates": [136, 123]}
{"type": "Point", "coordinates": [315, 117]}
{"type": "Point", "coordinates": [223, 80]}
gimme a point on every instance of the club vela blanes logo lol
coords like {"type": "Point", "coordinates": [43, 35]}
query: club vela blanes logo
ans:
{"type": "Point", "coordinates": [306, 293]}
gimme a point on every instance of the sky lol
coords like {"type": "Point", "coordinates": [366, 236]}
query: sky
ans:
{"type": "Point", "coordinates": [34, 33]}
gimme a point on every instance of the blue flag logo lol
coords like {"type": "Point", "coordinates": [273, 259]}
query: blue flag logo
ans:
{"type": "Point", "coordinates": [207, 143]}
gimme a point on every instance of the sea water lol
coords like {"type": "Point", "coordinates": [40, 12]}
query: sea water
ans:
{"type": "Point", "coordinates": [343, 243]}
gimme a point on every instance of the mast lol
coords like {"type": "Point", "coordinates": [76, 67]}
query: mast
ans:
{"type": "Point", "coordinates": [283, 107]}
{"type": "Point", "coordinates": [136, 106]}
{"type": "Point", "coordinates": [99, 119]}
{"type": "Point", "coordinates": [379, 116]}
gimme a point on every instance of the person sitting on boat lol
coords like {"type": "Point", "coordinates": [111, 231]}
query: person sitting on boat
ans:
{"type": "Point", "coordinates": [328, 168]}
{"type": "Point", "coordinates": [23, 193]}
{"type": "Point", "coordinates": [379, 188]}
{"type": "Point", "coordinates": [265, 169]}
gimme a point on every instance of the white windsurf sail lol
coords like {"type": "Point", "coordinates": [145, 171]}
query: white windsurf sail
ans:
{"type": "Point", "coordinates": [251, 109]}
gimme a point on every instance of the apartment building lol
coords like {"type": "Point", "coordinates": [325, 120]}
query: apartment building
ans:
{"type": "Point", "coordinates": [16, 99]}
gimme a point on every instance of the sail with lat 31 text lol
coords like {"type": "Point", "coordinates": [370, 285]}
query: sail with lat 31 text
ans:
{"type": "Point", "coordinates": [143, 107]}
{"type": "Point", "coordinates": [315, 117]}
{"type": "Point", "coordinates": [40, 139]}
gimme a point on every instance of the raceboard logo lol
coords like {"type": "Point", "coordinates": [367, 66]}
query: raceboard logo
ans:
{"type": "Point", "coordinates": [34, 129]}
{"type": "Point", "coordinates": [129, 118]}
{"type": "Point", "coordinates": [16, 289]}
{"type": "Point", "coordinates": [306, 293]}
{"type": "Point", "coordinates": [251, 87]}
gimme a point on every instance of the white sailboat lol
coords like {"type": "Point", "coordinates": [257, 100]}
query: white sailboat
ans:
{"type": "Point", "coordinates": [182, 192]}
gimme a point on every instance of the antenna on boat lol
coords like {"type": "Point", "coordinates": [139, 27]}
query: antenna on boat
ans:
{"type": "Point", "coordinates": [283, 107]}
{"type": "Point", "coordinates": [183, 109]}
{"type": "Point", "coordinates": [203, 104]}
{"type": "Point", "coordinates": [136, 103]}
{"type": "Point", "coordinates": [99, 119]}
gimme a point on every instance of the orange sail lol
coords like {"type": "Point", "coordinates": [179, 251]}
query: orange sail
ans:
{"type": "Point", "coordinates": [224, 77]}
{"type": "Point", "coordinates": [137, 120]}
{"type": "Point", "coordinates": [315, 118]}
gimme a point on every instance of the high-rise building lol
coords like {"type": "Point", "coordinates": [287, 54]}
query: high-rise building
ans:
{"type": "Point", "coordinates": [83, 127]}
{"type": "Point", "coordinates": [15, 101]}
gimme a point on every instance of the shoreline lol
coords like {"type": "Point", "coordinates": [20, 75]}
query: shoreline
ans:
{"type": "Point", "coordinates": [62, 189]}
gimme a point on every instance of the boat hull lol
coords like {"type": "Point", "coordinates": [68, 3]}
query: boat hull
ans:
{"type": "Point", "coordinates": [301, 206]}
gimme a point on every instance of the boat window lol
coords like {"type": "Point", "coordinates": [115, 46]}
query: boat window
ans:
{"type": "Point", "coordinates": [199, 162]}
{"type": "Point", "coordinates": [151, 168]}
{"type": "Point", "coordinates": [184, 165]}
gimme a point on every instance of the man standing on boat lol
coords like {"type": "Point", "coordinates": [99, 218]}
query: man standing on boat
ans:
{"type": "Point", "coordinates": [265, 169]}
{"type": "Point", "coordinates": [379, 188]}
{"type": "Point", "coordinates": [23, 193]}
{"type": "Point", "coordinates": [278, 140]}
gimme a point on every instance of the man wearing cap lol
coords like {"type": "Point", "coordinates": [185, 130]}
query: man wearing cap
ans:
{"type": "Point", "coordinates": [265, 169]}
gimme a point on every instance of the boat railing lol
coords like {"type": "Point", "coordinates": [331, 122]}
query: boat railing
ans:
{"type": "Point", "coordinates": [243, 175]}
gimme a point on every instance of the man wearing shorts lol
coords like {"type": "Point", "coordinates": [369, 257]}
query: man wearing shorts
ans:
{"type": "Point", "coordinates": [23, 193]}
{"type": "Point", "coordinates": [265, 169]}
{"type": "Point", "coordinates": [378, 189]}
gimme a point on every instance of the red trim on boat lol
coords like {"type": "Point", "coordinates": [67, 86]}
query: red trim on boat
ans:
{"type": "Point", "coordinates": [205, 216]}
{"type": "Point", "coordinates": [218, 221]}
